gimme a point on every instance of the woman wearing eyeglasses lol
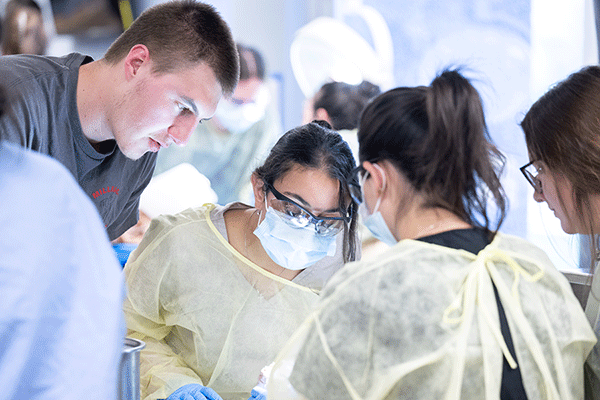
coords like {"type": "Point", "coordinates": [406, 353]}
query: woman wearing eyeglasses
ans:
{"type": "Point", "coordinates": [454, 309]}
{"type": "Point", "coordinates": [562, 132]}
{"type": "Point", "coordinates": [215, 292]}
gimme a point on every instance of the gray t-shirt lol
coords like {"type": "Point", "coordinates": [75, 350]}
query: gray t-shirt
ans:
{"type": "Point", "coordinates": [42, 115]}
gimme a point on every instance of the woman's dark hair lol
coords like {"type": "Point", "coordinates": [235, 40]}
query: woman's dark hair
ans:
{"type": "Point", "coordinates": [562, 129]}
{"type": "Point", "coordinates": [316, 146]}
{"type": "Point", "coordinates": [344, 102]}
{"type": "Point", "coordinates": [437, 137]}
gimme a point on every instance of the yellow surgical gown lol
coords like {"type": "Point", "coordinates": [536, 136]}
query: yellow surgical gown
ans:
{"type": "Point", "coordinates": [206, 313]}
{"type": "Point", "coordinates": [421, 322]}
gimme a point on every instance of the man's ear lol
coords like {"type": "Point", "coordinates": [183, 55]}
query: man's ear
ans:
{"type": "Point", "coordinates": [135, 59]}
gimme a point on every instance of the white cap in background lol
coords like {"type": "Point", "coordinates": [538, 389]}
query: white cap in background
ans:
{"type": "Point", "coordinates": [175, 190]}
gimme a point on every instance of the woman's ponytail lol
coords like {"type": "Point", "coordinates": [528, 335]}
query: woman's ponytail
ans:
{"type": "Point", "coordinates": [461, 155]}
{"type": "Point", "coordinates": [437, 136]}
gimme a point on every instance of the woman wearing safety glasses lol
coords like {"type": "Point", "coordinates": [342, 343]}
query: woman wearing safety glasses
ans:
{"type": "Point", "coordinates": [453, 309]}
{"type": "Point", "coordinates": [562, 132]}
{"type": "Point", "coordinates": [216, 291]}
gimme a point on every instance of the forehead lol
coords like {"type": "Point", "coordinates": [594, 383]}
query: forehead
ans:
{"type": "Point", "coordinates": [313, 187]}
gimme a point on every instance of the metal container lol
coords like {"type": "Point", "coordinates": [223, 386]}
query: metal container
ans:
{"type": "Point", "coordinates": [129, 370]}
{"type": "Point", "coordinates": [581, 283]}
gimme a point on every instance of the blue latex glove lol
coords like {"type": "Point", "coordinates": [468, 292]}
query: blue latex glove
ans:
{"type": "Point", "coordinates": [123, 250]}
{"type": "Point", "coordinates": [258, 393]}
{"type": "Point", "coordinates": [194, 391]}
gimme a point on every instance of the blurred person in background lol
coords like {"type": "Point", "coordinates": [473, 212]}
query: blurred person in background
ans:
{"type": "Point", "coordinates": [228, 147]}
{"type": "Point", "coordinates": [61, 319]}
{"type": "Point", "coordinates": [105, 120]}
{"type": "Point", "coordinates": [340, 104]}
{"type": "Point", "coordinates": [93, 17]}
{"type": "Point", "coordinates": [23, 28]}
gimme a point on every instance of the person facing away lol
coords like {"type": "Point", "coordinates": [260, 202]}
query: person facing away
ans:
{"type": "Point", "coordinates": [453, 309]}
{"type": "Point", "coordinates": [23, 28]}
{"type": "Point", "coordinates": [562, 134]}
{"type": "Point", "coordinates": [61, 319]}
{"type": "Point", "coordinates": [228, 147]}
{"type": "Point", "coordinates": [340, 104]}
{"type": "Point", "coordinates": [106, 119]}
{"type": "Point", "coordinates": [215, 291]}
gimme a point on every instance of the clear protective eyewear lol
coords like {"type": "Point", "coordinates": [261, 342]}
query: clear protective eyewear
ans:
{"type": "Point", "coordinates": [531, 174]}
{"type": "Point", "coordinates": [298, 217]}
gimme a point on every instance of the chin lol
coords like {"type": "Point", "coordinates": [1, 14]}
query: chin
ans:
{"type": "Point", "coordinates": [568, 228]}
{"type": "Point", "coordinates": [133, 154]}
{"type": "Point", "coordinates": [133, 149]}
{"type": "Point", "coordinates": [133, 157]}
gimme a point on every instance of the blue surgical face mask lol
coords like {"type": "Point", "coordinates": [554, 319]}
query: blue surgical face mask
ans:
{"type": "Point", "coordinates": [292, 248]}
{"type": "Point", "coordinates": [375, 222]}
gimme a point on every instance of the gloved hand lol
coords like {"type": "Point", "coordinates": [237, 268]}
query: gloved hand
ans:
{"type": "Point", "coordinates": [194, 391]}
{"type": "Point", "coordinates": [258, 393]}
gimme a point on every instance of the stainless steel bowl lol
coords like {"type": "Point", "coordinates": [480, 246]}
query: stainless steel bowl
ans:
{"type": "Point", "coordinates": [129, 370]}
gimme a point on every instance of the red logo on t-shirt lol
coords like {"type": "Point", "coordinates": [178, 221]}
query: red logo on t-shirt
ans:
{"type": "Point", "coordinates": [108, 189]}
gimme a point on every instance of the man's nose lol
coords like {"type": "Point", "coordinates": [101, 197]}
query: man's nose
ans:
{"type": "Point", "coordinates": [181, 131]}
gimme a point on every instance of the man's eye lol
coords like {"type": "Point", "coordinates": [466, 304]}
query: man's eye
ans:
{"type": "Point", "coordinates": [183, 108]}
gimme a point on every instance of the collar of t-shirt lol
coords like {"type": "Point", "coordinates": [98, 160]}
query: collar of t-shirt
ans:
{"type": "Point", "coordinates": [472, 240]}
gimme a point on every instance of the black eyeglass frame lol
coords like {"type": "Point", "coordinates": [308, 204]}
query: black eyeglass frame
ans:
{"type": "Point", "coordinates": [534, 181]}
